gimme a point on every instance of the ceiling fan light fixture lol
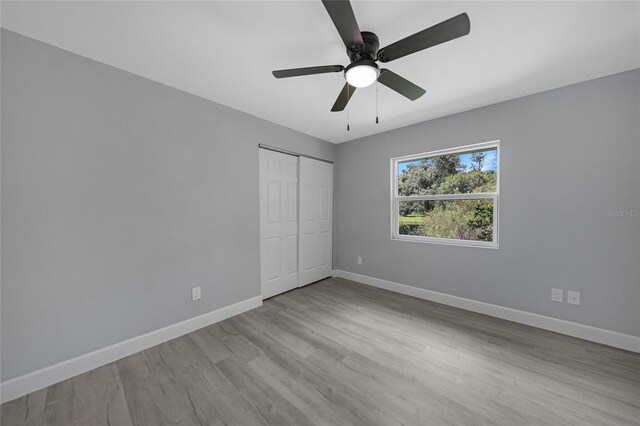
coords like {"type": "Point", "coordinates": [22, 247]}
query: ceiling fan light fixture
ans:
{"type": "Point", "coordinates": [361, 74]}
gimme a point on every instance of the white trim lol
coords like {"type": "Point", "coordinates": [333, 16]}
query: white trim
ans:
{"type": "Point", "coordinates": [22, 385]}
{"type": "Point", "coordinates": [581, 331]}
{"type": "Point", "coordinates": [396, 199]}
{"type": "Point", "coordinates": [454, 150]}
{"type": "Point", "coordinates": [445, 241]}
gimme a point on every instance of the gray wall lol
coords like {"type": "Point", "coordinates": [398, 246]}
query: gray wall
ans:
{"type": "Point", "coordinates": [567, 156]}
{"type": "Point", "coordinates": [118, 195]}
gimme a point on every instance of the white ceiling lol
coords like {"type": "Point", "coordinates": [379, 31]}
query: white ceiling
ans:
{"type": "Point", "coordinates": [225, 52]}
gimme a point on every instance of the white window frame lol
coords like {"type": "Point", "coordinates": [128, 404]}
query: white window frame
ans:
{"type": "Point", "coordinates": [395, 198]}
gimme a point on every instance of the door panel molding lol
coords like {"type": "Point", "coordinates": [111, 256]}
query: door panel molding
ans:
{"type": "Point", "coordinates": [278, 222]}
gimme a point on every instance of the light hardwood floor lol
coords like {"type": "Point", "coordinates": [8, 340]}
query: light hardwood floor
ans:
{"type": "Point", "coordinates": [338, 352]}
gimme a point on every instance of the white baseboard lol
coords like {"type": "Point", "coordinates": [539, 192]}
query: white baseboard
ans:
{"type": "Point", "coordinates": [586, 332]}
{"type": "Point", "coordinates": [22, 385]}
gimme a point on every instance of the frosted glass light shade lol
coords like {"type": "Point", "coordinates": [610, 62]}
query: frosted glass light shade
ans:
{"type": "Point", "coordinates": [362, 75]}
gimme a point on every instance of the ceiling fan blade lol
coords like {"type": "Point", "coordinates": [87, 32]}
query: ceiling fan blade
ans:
{"type": "Point", "coordinates": [400, 84]}
{"type": "Point", "coordinates": [341, 14]}
{"type": "Point", "coordinates": [294, 72]}
{"type": "Point", "coordinates": [450, 29]}
{"type": "Point", "coordinates": [343, 98]}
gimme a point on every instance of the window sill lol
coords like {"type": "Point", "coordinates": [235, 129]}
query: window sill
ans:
{"type": "Point", "coordinates": [446, 241]}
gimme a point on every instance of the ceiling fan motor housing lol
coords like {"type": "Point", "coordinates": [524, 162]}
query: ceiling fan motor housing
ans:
{"type": "Point", "coordinates": [368, 51]}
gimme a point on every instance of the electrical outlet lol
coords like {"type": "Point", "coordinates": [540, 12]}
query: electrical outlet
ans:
{"type": "Point", "coordinates": [359, 260]}
{"type": "Point", "coordinates": [196, 293]}
{"type": "Point", "coordinates": [557, 295]}
{"type": "Point", "coordinates": [573, 297]}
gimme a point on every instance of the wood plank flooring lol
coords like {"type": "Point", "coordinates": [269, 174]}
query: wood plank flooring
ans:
{"type": "Point", "coordinates": [341, 353]}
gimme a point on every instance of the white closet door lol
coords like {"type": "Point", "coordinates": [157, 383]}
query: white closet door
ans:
{"type": "Point", "coordinates": [316, 220]}
{"type": "Point", "coordinates": [278, 222]}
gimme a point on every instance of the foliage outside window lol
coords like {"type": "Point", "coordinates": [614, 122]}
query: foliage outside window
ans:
{"type": "Point", "coordinates": [448, 196]}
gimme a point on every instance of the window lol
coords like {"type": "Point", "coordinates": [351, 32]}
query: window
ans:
{"type": "Point", "coordinates": [448, 196]}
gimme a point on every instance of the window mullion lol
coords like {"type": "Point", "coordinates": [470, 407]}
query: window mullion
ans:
{"type": "Point", "coordinates": [476, 196]}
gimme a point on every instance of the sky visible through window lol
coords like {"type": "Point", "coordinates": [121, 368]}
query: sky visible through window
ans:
{"type": "Point", "coordinates": [465, 159]}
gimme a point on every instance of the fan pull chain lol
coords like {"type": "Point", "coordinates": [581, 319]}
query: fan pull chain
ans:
{"type": "Point", "coordinates": [376, 101]}
{"type": "Point", "coordinates": [348, 109]}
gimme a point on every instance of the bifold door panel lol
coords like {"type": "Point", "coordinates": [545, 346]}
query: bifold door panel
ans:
{"type": "Point", "coordinates": [278, 222]}
{"type": "Point", "coordinates": [316, 220]}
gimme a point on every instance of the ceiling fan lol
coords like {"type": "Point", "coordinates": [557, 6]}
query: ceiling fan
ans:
{"type": "Point", "coordinates": [362, 49]}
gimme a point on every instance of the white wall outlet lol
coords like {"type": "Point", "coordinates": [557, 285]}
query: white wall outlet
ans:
{"type": "Point", "coordinates": [359, 260]}
{"type": "Point", "coordinates": [557, 295]}
{"type": "Point", "coordinates": [573, 297]}
{"type": "Point", "coordinates": [196, 293]}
